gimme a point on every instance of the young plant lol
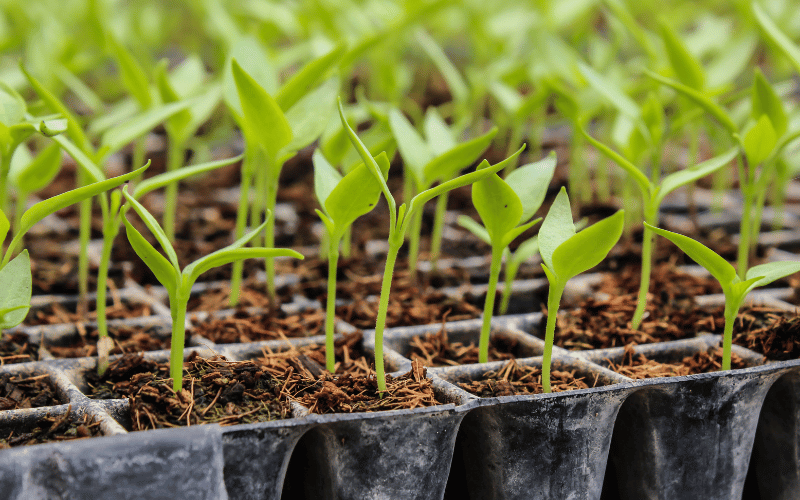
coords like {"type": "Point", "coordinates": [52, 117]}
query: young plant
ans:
{"type": "Point", "coordinates": [343, 200]}
{"type": "Point", "coordinates": [399, 220]}
{"type": "Point", "coordinates": [566, 254]}
{"type": "Point", "coordinates": [506, 207]}
{"type": "Point", "coordinates": [177, 282]}
{"type": "Point", "coordinates": [29, 175]}
{"type": "Point", "coordinates": [653, 193]}
{"type": "Point", "coordinates": [734, 287]}
{"type": "Point", "coordinates": [436, 158]}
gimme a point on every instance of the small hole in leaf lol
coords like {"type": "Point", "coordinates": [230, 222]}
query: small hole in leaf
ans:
{"type": "Point", "coordinates": [505, 206]}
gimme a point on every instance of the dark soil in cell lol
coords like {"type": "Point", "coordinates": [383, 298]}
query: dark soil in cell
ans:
{"type": "Point", "coordinates": [637, 366]}
{"type": "Point", "coordinates": [51, 430]}
{"type": "Point", "coordinates": [17, 348]}
{"type": "Point", "coordinates": [58, 275]}
{"type": "Point", "coordinates": [666, 281]}
{"type": "Point", "coordinates": [272, 325]}
{"type": "Point", "coordinates": [126, 339]}
{"type": "Point", "coordinates": [435, 349]}
{"type": "Point", "coordinates": [56, 313]}
{"type": "Point", "coordinates": [251, 295]}
{"type": "Point", "coordinates": [773, 333]}
{"type": "Point", "coordinates": [26, 391]}
{"type": "Point", "coordinates": [514, 379]}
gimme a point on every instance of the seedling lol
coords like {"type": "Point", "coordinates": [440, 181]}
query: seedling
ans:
{"type": "Point", "coordinates": [653, 193]}
{"type": "Point", "coordinates": [506, 207]}
{"type": "Point", "coordinates": [177, 282]}
{"type": "Point", "coordinates": [566, 254]}
{"type": "Point", "coordinates": [343, 200]}
{"type": "Point", "coordinates": [734, 287]}
{"type": "Point", "coordinates": [399, 220]}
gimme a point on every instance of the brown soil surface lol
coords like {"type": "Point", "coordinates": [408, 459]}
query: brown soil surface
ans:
{"type": "Point", "coordinates": [773, 333]}
{"type": "Point", "coordinates": [637, 366]}
{"type": "Point", "coordinates": [435, 349]}
{"type": "Point", "coordinates": [251, 295]}
{"type": "Point", "coordinates": [272, 325]}
{"type": "Point", "coordinates": [126, 339]}
{"type": "Point", "coordinates": [58, 274]}
{"type": "Point", "coordinates": [55, 313]}
{"type": "Point", "coordinates": [51, 430]}
{"type": "Point", "coordinates": [666, 281]}
{"type": "Point", "coordinates": [513, 380]}
{"type": "Point", "coordinates": [409, 307]}
{"type": "Point", "coordinates": [23, 391]}
{"type": "Point", "coordinates": [17, 348]}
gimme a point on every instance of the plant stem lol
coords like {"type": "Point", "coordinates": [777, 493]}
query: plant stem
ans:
{"type": "Point", "coordinates": [177, 307]}
{"type": "Point", "coordinates": [85, 233]}
{"type": "Point", "coordinates": [330, 308]}
{"type": "Point", "coordinates": [139, 152]}
{"type": "Point", "coordinates": [270, 196]}
{"type": "Point", "coordinates": [347, 242]}
{"type": "Point", "coordinates": [110, 231]}
{"type": "Point", "coordinates": [651, 217]}
{"type": "Point", "coordinates": [727, 337]}
{"type": "Point", "coordinates": [488, 306]}
{"type": "Point", "coordinates": [744, 229]}
{"type": "Point", "coordinates": [19, 208]}
{"type": "Point", "coordinates": [512, 267]}
{"type": "Point", "coordinates": [438, 229]}
{"type": "Point", "coordinates": [395, 243]}
{"type": "Point", "coordinates": [174, 162]}
{"type": "Point", "coordinates": [5, 167]}
{"type": "Point", "coordinates": [241, 223]}
{"type": "Point", "coordinates": [413, 244]}
{"type": "Point", "coordinates": [553, 301]}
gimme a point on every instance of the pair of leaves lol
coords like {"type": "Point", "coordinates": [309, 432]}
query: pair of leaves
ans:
{"type": "Point", "coordinates": [566, 253]}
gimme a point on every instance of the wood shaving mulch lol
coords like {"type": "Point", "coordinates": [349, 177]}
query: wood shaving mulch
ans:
{"type": "Point", "coordinates": [26, 391]}
{"type": "Point", "coordinates": [51, 429]}
{"type": "Point", "coordinates": [514, 379]}
{"type": "Point", "coordinates": [638, 366]}
{"type": "Point", "coordinates": [435, 349]}
{"type": "Point", "coordinates": [774, 333]}
{"type": "Point", "coordinates": [17, 348]}
{"type": "Point", "coordinates": [126, 339]}
{"type": "Point", "coordinates": [56, 313]}
{"type": "Point", "coordinates": [272, 325]}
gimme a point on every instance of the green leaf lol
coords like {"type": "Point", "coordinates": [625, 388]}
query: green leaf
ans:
{"type": "Point", "coordinates": [250, 55]}
{"type": "Point", "coordinates": [584, 250]}
{"type": "Point", "coordinates": [759, 141]}
{"type": "Point", "coordinates": [154, 228]}
{"type": "Point", "coordinates": [309, 76]}
{"type": "Point", "coordinates": [556, 228]}
{"type": "Point", "coordinates": [772, 271]}
{"type": "Point", "coordinates": [700, 99]}
{"type": "Point", "coordinates": [475, 228]}
{"type": "Point", "coordinates": [325, 177]}
{"type": "Point", "coordinates": [40, 172]}
{"type": "Point", "coordinates": [767, 102]}
{"type": "Point", "coordinates": [5, 225]}
{"type": "Point", "coordinates": [177, 123]}
{"type": "Point", "coordinates": [49, 128]}
{"type": "Point", "coordinates": [685, 66]}
{"type": "Point", "coordinates": [688, 175]}
{"type": "Point", "coordinates": [356, 194]}
{"type": "Point", "coordinates": [263, 120]}
{"type": "Point", "coordinates": [774, 33]}
{"type": "Point", "coordinates": [119, 136]}
{"type": "Point", "coordinates": [638, 176]}
{"type": "Point", "coordinates": [526, 250]}
{"type": "Point", "coordinates": [15, 294]}
{"type": "Point", "coordinates": [512, 235]}
{"type": "Point", "coordinates": [309, 117]}
{"type": "Point", "coordinates": [167, 274]}
{"type": "Point", "coordinates": [12, 106]}
{"type": "Point", "coordinates": [530, 182]}
{"type": "Point", "coordinates": [133, 75]}
{"type": "Point", "coordinates": [704, 256]}
{"type": "Point", "coordinates": [89, 167]}
{"type": "Point", "coordinates": [653, 117]}
{"type": "Point", "coordinates": [413, 148]}
{"type": "Point", "coordinates": [498, 206]}
{"type": "Point", "coordinates": [446, 166]}
{"type": "Point", "coordinates": [440, 138]}
{"type": "Point", "coordinates": [227, 256]}
{"type": "Point", "coordinates": [455, 82]}
{"type": "Point", "coordinates": [611, 92]}
{"type": "Point", "coordinates": [166, 178]}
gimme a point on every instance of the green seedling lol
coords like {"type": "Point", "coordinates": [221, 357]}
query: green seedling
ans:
{"type": "Point", "coordinates": [653, 193]}
{"type": "Point", "coordinates": [566, 254]}
{"type": "Point", "coordinates": [29, 175]}
{"type": "Point", "coordinates": [399, 220]}
{"type": "Point", "coordinates": [506, 208]}
{"type": "Point", "coordinates": [436, 158]}
{"type": "Point", "coordinates": [177, 282]}
{"type": "Point", "coordinates": [734, 287]}
{"type": "Point", "coordinates": [343, 200]}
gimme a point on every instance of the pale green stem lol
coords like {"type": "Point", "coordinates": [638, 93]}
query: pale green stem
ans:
{"type": "Point", "coordinates": [508, 279]}
{"type": "Point", "coordinates": [178, 306]}
{"type": "Point", "coordinates": [139, 152]}
{"type": "Point", "coordinates": [694, 148]}
{"type": "Point", "coordinates": [330, 310]}
{"type": "Point", "coordinates": [22, 200]}
{"type": "Point", "coordinates": [175, 154]}
{"type": "Point", "coordinates": [258, 203]}
{"type": "Point", "coordinates": [241, 223]}
{"type": "Point", "coordinates": [513, 142]}
{"type": "Point", "coordinates": [383, 307]}
{"type": "Point", "coordinates": [488, 306]}
{"type": "Point", "coordinates": [438, 229]}
{"type": "Point", "coordinates": [5, 167]}
{"type": "Point", "coordinates": [553, 302]}
{"type": "Point", "coordinates": [779, 198]}
{"type": "Point", "coordinates": [746, 188]}
{"type": "Point", "coordinates": [767, 173]}
{"type": "Point", "coordinates": [651, 217]}
{"type": "Point", "coordinates": [413, 244]}
{"type": "Point", "coordinates": [84, 234]}
{"type": "Point", "coordinates": [727, 337]}
{"type": "Point", "coordinates": [110, 231]}
{"type": "Point", "coordinates": [271, 196]}
{"type": "Point", "coordinates": [347, 241]}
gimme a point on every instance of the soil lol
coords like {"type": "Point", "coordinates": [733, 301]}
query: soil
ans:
{"type": "Point", "coordinates": [23, 391]}
{"type": "Point", "coordinates": [408, 307]}
{"type": "Point", "coordinates": [126, 339]}
{"type": "Point", "coordinates": [56, 313]}
{"type": "Point", "coordinates": [514, 380]}
{"type": "Point", "coordinates": [215, 390]}
{"type": "Point", "coordinates": [773, 333]}
{"type": "Point", "coordinates": [637, 366]}
{"type": "Point", "coordinates": [17, 348]}
{"type": "Point", "coordinates": [670, 283]}
{"type": "Point", "coordinates": [51, 430]}
{"type": "Point", "coordinates": [251, 295]}
{"type": "Point", "coordinates": [59, 275]}
{"type": "Point", "coordinates": [435, 349]}
{"type": "Point", "coordinates": [272, 325]}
